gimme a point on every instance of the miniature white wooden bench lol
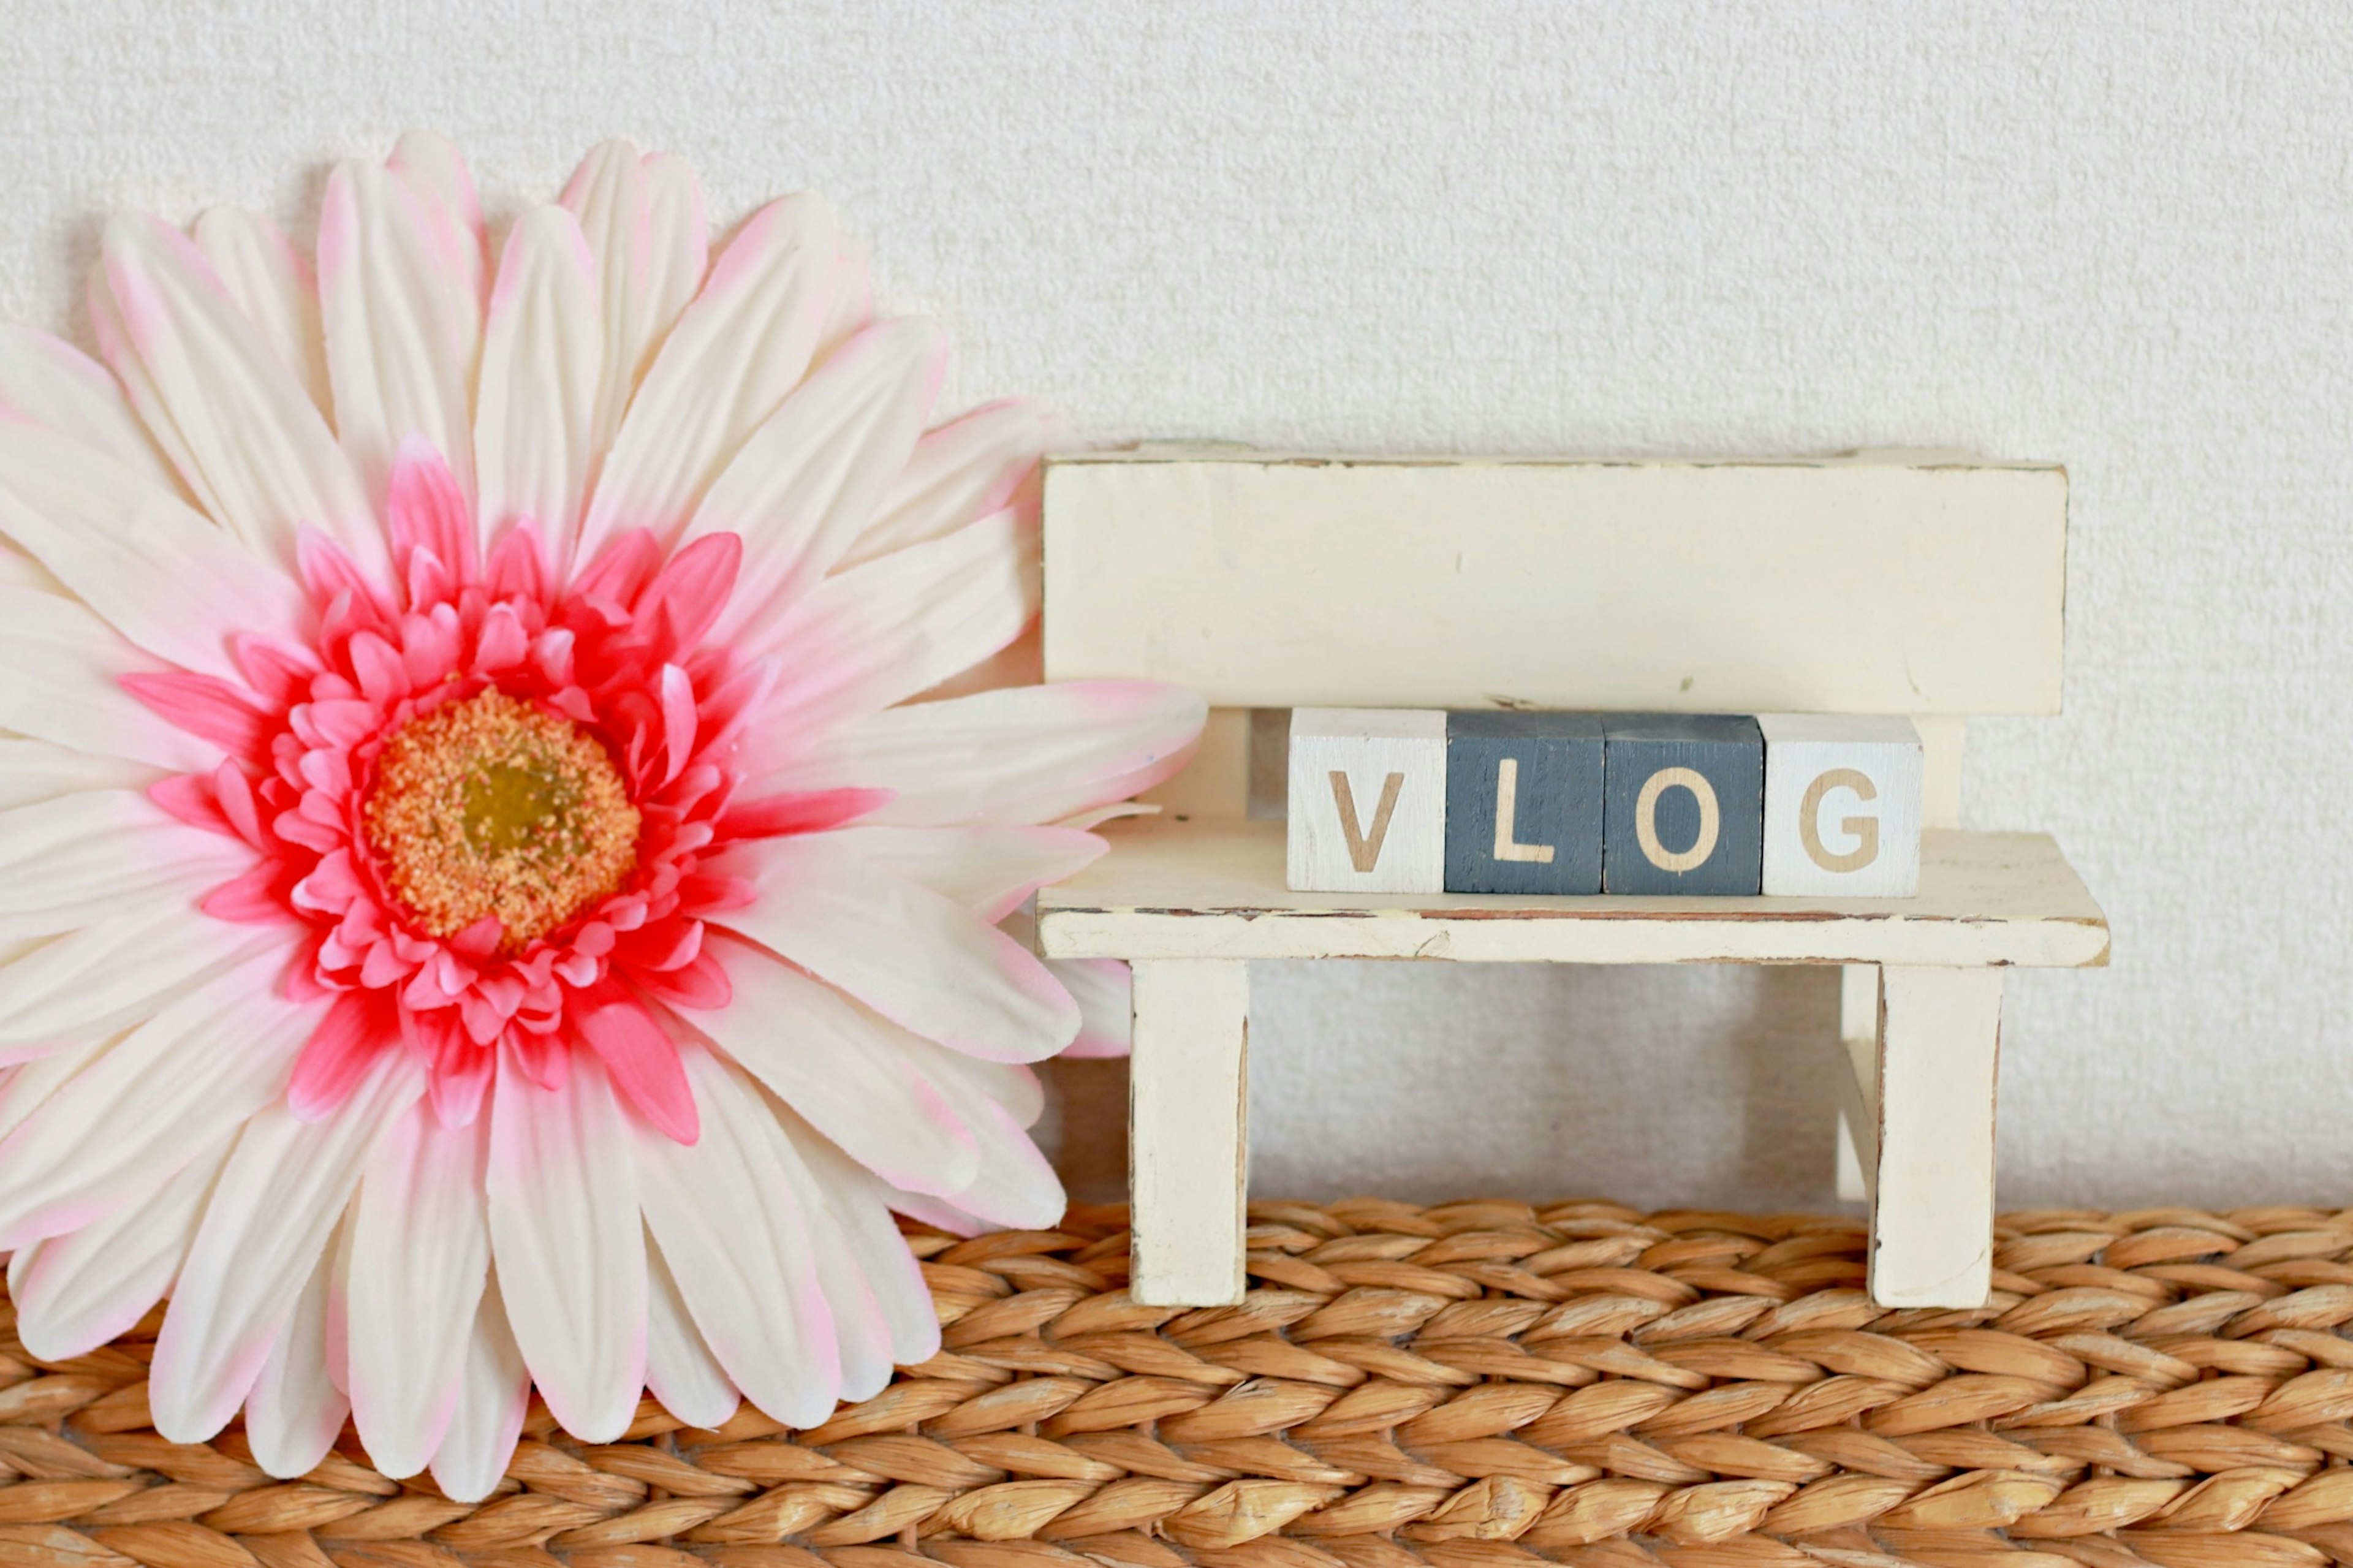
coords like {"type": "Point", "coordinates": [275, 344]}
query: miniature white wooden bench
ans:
{"type": "Point", "coordinates": [1926, 584]}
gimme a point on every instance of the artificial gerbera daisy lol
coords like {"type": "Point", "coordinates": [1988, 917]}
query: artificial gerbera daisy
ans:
{"type": "Point", "coordinates": [493, 889]}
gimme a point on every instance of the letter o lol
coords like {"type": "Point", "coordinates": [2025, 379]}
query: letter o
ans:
{"type": "Point", "coordinates": [1646, 820]}
{"type": "Point", "coordinates": [1865, 828]}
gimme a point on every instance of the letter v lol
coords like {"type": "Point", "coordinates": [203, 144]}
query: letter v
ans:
{"type": "Point", "coordinates": [1365, 847]}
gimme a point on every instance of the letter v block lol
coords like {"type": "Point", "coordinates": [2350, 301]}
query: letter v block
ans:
{"type": "Point", "coordinates": [1523, 802]}
{"type": "Point", "coordinates": [1368, 800]}
{"type": "Point", "coordinates": [1841, 806]}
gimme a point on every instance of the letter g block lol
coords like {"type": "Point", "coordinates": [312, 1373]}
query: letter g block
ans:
{"type": "Point", "coordinates": [1841, 806]}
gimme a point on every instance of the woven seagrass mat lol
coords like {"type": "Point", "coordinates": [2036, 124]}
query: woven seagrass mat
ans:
{"type": "Point", "coordinates": [1475, 1385]}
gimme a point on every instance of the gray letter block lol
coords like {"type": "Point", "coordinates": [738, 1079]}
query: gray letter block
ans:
{"type": "Point", "coordinates": [1685, 803]}
{"type": "Point", "coordinates": [1523, 802]}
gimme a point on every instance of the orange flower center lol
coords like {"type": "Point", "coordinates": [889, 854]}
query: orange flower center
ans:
{"type": "Point", "coordinates": [490, 807]}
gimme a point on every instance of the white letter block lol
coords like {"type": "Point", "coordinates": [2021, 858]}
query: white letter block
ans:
{"type": "Point", "coordinates": [1368, 800]}
{"type": "Point", "coordinates": [1841, 806]}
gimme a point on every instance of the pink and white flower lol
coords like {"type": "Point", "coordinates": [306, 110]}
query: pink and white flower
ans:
{"type": "Point", "coordinates": [492, 890]}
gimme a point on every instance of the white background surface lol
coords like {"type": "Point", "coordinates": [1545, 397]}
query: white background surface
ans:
{"type": "Point", "coordinates": [2117, 235]}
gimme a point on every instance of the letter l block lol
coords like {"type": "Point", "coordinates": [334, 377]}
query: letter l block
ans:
{"type": "Point", "coordinates": [1523, 802]}
{"type": "Point", "coordinates": [1367, 811]}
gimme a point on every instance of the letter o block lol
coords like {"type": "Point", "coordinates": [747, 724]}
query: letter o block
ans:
{"type": "Point", "coordinates": [1685, 802]}
{"type": "Point", "coordinates": [1367, 801]}
{"type": "Point", "coordinates": [1841, 806]}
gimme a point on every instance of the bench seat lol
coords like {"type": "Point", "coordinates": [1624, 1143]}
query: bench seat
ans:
{"type": "Point", "coordinates": [1177, 886]}
{"type": "Point", "coordinates": [1189, 901]}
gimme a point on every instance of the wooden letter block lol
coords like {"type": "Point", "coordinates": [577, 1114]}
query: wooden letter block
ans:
{"type": "Point", "coordinates": [1523, 802]}
{"type": "Point", "coordinates": [1684, 804]}
{"type": "Point", "coordinates": [1368, 800]}
{"type": "Point", "coordinates": [1841, 806]}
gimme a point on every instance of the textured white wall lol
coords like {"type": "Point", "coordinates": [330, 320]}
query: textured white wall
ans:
{"type": "Point", "coordinates": [2117, 235]}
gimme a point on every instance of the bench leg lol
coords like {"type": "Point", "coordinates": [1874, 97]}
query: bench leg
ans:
{"type": "Point", "coordinates": [1189, 1149]}
{"type": "Point", "coordinates": [1858, 1043]}
{"type": "Point", "coordinates": [1853, 1186]}
{"type": "Point", "coordinates": [1932, 1168]}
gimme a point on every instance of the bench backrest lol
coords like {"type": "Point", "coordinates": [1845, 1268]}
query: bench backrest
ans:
{"type": "Point", "coordinates": [1930, 584]}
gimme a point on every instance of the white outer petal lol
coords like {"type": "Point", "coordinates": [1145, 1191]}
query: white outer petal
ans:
{"type": "Point", "coordinates": [429, 164]}
{"type": "Point", "coordinates": [1017, 1088]}
{"type": "Point", "coordinates": [965, 470]}
{"type": "Point", "coordinates": [61, 670]}
{"type": "Point", "coordinates": [28, 1086]}
{"type": "Point", "coordinates": [853, 299]}
{"type": "Point", "coordinates": [1016, 1186]}
{"type": "Point", "coordinates": [723, 1213]}
{"type": "Point", "coordinates": [809, 477]}
{"type": "Point", "coordinates": [680, 1372]}
{"type": "Point", "coordinates": [1025, 753]}
{"type": "Point", "coordinates": [863, 1244]}
{"type": "Point", "coordinates": [399, 348]}
{"type": "Point", "coordinates": [139, 389]}
{"type": "Point", "coordinates": [920, 961]}
{"type": "Point", "coordinates": [841, 1066]}
{"type": "Point", "coordinates": [18, 570]}
{"type": "Point", "coordinates": [68, 862]}
{"type": "Point", "coordinates": [295, 1412]}
{"type": "Point", "coordinates": [252, 445]}
{"type": "Point", "coordinates": [272, 1217]}
{"type": "Point", "coordinates": [736, 351]}
{"type": "Point", "coordinates": [273, 283]}
{"type": "Point", "coordinates": [84, 1289]}
{"type": "Point", "coordinates": [35, 771]}
{"type": "Point", "coordinates": [119, 972]}
{"type": "Point", "coordinates": [569, 1247]}
{"type": "Point", "coordinates": [162, 1094]}
{"type": "Point", "coordinates": [643, 218]}
{"type": "Point", "coordinates": [491, 1404]}
{"type": "Point", "coordinates": [883, 632]}
{"type": "Point", "coordinates": [1104, 990]}
{"type": "Point", "coordinates": [420, 1253]}
{"type": "Point", "coordinates": [160, 573]}
{"type": "Point", "coordinates": [49, 380]}
{"type": "Point", "coordinates": [542, 353]}
{"type": "Point", "coordinates": [989, 870]}
{"type": "Point", "coordinates": [862, 1326]}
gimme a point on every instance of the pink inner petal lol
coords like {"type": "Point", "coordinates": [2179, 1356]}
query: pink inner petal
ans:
{"type": "Point", "coordinates": [207, 707]}
{"type": "Point", "coordinates": [424, 509]}
{"type": "Point", "coordinates": [643, 1062]}
{"type": "Point", "coordinates": [339, 1054]}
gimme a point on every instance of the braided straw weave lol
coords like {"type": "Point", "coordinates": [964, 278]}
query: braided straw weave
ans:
{"type": "Point", "coordinates": [1476, 1385]}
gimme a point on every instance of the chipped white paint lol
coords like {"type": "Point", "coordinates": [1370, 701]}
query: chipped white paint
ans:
{"type": "Point", "coordinates": [1931, 1170]}
{"type": "Point", "coordinates": [1188, 1152]}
